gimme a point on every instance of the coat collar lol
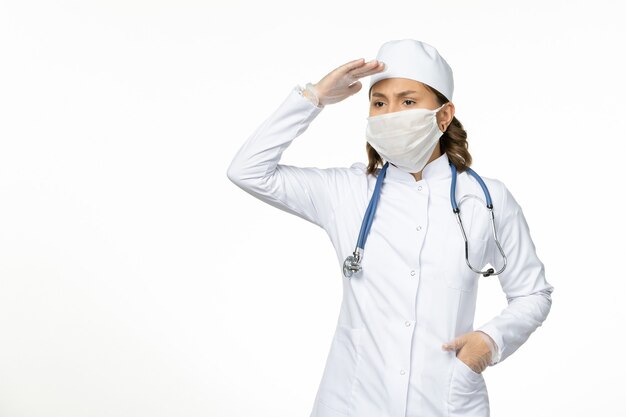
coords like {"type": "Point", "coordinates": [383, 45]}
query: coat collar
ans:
{"type": "Point", "coordinates": [438, 168]}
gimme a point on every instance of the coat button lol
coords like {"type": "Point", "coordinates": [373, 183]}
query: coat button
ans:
{"type": "Point", "coordinates": [418, 228]}
{"type": "Point", "coordinates": [402, 372]}
{"type": "Point", "coordinates": [419, 188]}
{"type": "Point", "coordinates": [412, 273]}
{"type": "Point", "coordinates": [407, 323]}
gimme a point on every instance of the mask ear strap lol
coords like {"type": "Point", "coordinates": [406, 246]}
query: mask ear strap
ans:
{"type": "Point", "coordinates": [437, 111]}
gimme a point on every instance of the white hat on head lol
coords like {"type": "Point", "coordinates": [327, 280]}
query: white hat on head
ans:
{"type": "Point", "coordinates": [415, 60]}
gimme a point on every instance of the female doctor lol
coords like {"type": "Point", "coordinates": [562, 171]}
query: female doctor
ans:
{"type": "Point", "coordinates": [413, 231]}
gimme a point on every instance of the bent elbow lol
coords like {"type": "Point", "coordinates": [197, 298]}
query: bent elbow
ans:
{"type": "Point", "coordinates": [547, 294]}
{"type": "Point", "coordinates": [234, 173]}
{"type": "Point", "coordinates": [534, 307]}
{"type": "Point", "coordinates": [243, 175]}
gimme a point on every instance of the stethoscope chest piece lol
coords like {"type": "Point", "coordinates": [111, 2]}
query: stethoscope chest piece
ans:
{"type": "Point", "coordinates": [351, 265]}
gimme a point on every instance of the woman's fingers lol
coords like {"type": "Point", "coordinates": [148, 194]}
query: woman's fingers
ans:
{"type": "Point", "coordinates": [360, 67]}
{"type": "Point", "coordinates": [345, 68]}
{"type": "Point", "coordinates": [343, 80]}
{"type": "Point", "coordinates": [370, 68]}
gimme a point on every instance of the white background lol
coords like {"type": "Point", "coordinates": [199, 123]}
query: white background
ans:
{"type": "Point", "coordinates": [137, 280]}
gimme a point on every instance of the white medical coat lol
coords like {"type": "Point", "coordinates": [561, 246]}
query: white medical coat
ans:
{"type": "Point", "coordinates": [415, 291]}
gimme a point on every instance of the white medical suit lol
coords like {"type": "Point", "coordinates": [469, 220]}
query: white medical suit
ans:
{"type": "Point", "coordinates": [415, 291]}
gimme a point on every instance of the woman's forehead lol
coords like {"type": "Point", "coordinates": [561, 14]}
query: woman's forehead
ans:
{"type": "Point", "coordinates": [397, 83]}
{"type": "Point", "coordinates": [394, 86]}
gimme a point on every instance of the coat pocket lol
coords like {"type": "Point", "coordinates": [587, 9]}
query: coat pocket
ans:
{"type": "Point", "coordinates": [338, 376]}
{"type": "Point", "coordinates": [468, 392]}
{"type": "Point", "coordinates": [458, 273]}
{"type": "Point", "coordinates": [466, 370]}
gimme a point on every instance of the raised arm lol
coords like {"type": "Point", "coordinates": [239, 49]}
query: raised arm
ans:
{"type": "Point", "coordinates": [305, 192]}
{"type": "Point", "coordinates": [256, 169]}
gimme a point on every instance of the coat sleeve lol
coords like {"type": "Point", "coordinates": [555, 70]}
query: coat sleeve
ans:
{"type": "Point", "coordinates": [523, 281]}
{"type": "Point", "coordinates": [307, 192]}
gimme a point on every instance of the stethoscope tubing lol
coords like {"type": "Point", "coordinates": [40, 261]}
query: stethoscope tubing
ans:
{"type": "Point", "coordinates": [353, 263]}
{"type": "Point", "coordinates": [371, 209]}
{"type": "Point", "coordinates": [473, 173]}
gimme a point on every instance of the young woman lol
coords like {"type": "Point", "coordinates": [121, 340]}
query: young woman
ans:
{"type": "Point", "coordinates": [405, 343]}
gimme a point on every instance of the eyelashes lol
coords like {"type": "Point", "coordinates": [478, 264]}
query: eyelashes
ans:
{"type": "Point", "coordinates": [376, 102]}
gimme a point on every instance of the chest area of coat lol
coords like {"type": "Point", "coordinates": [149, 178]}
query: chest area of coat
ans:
{"type": "Point", "coordinates": [413, 222]}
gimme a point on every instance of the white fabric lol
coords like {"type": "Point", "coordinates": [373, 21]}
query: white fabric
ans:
{"type": "Point", "coordinates": [405, 138]}
{"type": "Point", "coordinates": [415, 60]}
{"type": "Point", "coordinates": [415, 291]}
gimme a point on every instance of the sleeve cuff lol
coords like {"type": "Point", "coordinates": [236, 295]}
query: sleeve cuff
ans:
{"type": "Point", "coordinates": [497, 338]}
{"type": "Point", "coordinates": [300, 90]}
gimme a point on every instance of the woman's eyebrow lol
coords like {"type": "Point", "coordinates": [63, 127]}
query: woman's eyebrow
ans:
{"type": "Point", "coordinates": [400, 94]}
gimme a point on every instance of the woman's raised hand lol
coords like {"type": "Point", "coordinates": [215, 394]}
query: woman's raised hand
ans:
{"type": "Point", "coordinates": [342, 82]}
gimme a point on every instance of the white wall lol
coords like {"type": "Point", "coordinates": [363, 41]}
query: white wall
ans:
{"type": "Point", "coordinates": [137, 280]}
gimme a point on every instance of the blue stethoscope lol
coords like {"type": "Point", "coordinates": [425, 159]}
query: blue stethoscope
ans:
{"type": "Point", "coordinates": [352, 263]}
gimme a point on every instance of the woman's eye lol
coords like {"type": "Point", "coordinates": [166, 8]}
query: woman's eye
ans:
{"type": "Point", "coordinates": [376, 103]}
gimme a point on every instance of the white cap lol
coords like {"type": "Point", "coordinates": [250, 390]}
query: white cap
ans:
{"type": "Point", "coordinates": [415, 60]}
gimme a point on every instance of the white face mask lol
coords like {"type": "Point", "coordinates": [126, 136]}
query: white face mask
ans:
{"type": "Point", "coordinates": [405, 138]}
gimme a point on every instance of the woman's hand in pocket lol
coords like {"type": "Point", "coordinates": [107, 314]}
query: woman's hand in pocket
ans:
{"type": "Point", "coordinates": [474, 349]}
